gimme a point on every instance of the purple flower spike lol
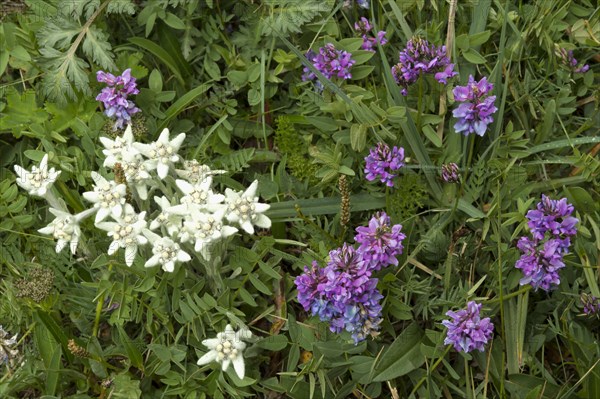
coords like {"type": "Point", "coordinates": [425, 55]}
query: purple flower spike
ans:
{"type": "Point", "coordinates": [421, 57]}
{"type": "Point", "coordinates": [363, 27]}
{"type": "Point", "coordinates": [115, 95]}
{"type": "Point", "coordinates": [450, 173]}
{"type": "Point", "coordinates": [591, 305]}
{"type": "Point", "coordinates": [380, 242]}
{"type": "Point", "coordinates": [382, 162]}
{"type": "Point", "coordinates": [569, 61]}
{"type": "Point", "coordinates": [466, 330]}
{"type": "Point", "coordinates": [475, 112]}
{"type": "Point", "coordinates": [552, 227]}
{"type": "Point", "coordinates": [330, 62]}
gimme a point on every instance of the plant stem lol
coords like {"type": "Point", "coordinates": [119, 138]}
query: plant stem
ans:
{"type": "Point", "coordinates": [100, 304]}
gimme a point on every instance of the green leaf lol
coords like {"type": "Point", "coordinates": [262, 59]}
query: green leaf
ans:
{"type": "Point", "coordinates": [358, 137]}
{"type": "Point", "coordinates": [431, 134]}
{"type": "Point", "coordinates": [160, 53]}
{"type": "Point", "coordinates": [273, 343]}
{"type": "Point", "coordinates": [96, 46]}
{"type": "Point", "coordinates": [361, 71]}
{"type": "Point", "coordinates": [133, 353]}
{"type": "Point", "coordinates": [182, 102]}
{"type": "Point", "coordinates": [473, 56]}
{"type": "Point", "coordinates": [259, 285]}
{"type": "Point", "coordinates": [402, 356]}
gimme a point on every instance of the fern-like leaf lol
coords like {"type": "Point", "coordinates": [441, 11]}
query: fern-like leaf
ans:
{"type": "Point", "coordinates": [58, 33]}
{"type": "Point", "coordinates": [288, 16]}
{"type": "Point", "coordinates": [98, 48]}
{"type": "Point", "coordinates": [120, 7]}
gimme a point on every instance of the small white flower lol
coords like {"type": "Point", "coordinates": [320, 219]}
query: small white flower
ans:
{"type": "Point", "coordinates": [195, 172]}
{"type": "Point", "coordinates": [244, 209]}
{"type": "Point", "coordinates": [126, 233]}
{"type": "Point", "coordinates": [65, 229]}
{"type": "Point", "coordinates": [161, 153]}
{"type": "Point", "coordinates": [227, 349]}
{"type": "Point", "coordinates": [171, 221]}
{"type": "Point", "coordinates": [166, 252]}
{"type": "Point", "coordinates": [197, 197]}
{"type": "Point", "coordinates": [205, 229]}
{"type": "Point", "coordinates": [116, 149]}
{"type": "Point", "coordinates": [108, 197]}
{"type": "Point", "coordinates": [7, 354]}
{"type": "Point", "coordinates": [39, 180]}
{"type": "Point", "coordinates": [134, 169]}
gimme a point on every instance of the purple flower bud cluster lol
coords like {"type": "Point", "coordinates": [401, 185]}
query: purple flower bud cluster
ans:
{"type": "Point", "coordinates": [568, 60]}
{"type": "Point", "coordinates": [421, 57]}
{"type": "Point", "coordinates": [381, 163]}
{"type": "Point", "coordinates": [115, 95]}
{"type": "Point", "coordinates": [330, 62]}
{"type": "Point", "coordinates": [475, 111]}
{"type": "Point", "coordinates": [467, 330]}
{"type": "Point", "coordinates": [551, 226]}
{"type": "Point", "coordinates": [450, 173]}
{"type": "Point", "coordinates": [363, 27]}
{"type": "Point", "coordinates": [344, 292]}
{"type": "Point", "coordinates": [591, 305]}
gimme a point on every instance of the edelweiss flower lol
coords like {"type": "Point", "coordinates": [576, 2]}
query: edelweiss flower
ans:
{"type": "Point", "coordinates": [39, 180]}
{"type": "Point", "coordinates": [227, 348]}
{"type": "Point", "coordinates": [197, 197]}
{"type": "Point", "coordinates": [194, 172]}
{"type": "Point", "coordinates": [244, 209]}
{"type": "Point", "coordinates": [135, 173]}
{"type": "Point", "coordinates": [166, 252]}
{"type": "Point", "coordinates": [117, 148]}
{"type": "Point", "coordinates": [65, 228]}
{"type": "Point", "coordinates": [205, 229]}
{"type": "Point", "coordinates": [126, 233]}
{"type": "Point", "coordinates": [171, 221]}
{"type": "Point", "coordinates": [108, 197]}
{"type": "Point", "coordinates": [7, 354]}
{"type": "Point", "coordinates": [162, 153]}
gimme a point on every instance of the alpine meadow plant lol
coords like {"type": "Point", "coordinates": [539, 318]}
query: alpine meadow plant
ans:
{"type": "Point", "coordinates": [186, 212]}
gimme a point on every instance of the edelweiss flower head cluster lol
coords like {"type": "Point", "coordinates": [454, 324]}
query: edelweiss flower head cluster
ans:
{"type": "Point", "coordinates": [552, 227]}
{"type": "Point", "coordinates": [344, 292]}
{"type": "Point", "coordinates": [198, 215]}
{"type": "Point", "coordinates": [227, 349]}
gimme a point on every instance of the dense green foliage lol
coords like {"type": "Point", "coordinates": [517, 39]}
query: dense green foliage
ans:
{"type": "Point", "coordinates": [228, 74]}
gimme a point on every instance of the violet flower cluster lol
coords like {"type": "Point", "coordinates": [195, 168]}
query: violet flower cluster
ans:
{"type": "Point", "coordinates": [591, 305]}
{"type": "Point", "coordinates": [345, 292]}
{"type": "Point", "coordinates": [330, 62]}
{"type": "Point", "coordinates": [552, 227]}
{"type": "Point", "coordinates": [115, 95]}
{"type": "Point", "coordinates": [420, 57]}
{"type": "Point", "coordinates": [450, 173]}
{"type": "Point", "coordinates": [568, 60]}
{"type": "Point", "coordinates": [364, 27]}
{"type": "Point", "coordinates": [382, 162]}
{"type": "Point", "coordinates": [475, 111]}
{"type": "Point", "coordinates": [467, 330]}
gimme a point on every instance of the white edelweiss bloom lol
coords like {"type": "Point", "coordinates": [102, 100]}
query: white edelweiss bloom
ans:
{"type": "Point", "coordinates": [116, 149]}
{"type": "Point", "coordinates": [204, 229]}
{"type": "Point", "coordinates": [243, 208]}
{"type": "Point", "coordinates": [197, 197]}
{"type": "Point", "coordinates": [134, 169]}
{"type": "Point", "coordinates": [161, 153]}
{"type": "Point", "coordinates": [227, 349]}
{"type": "Point", "coordinates": [166, 252]}
{"type": "Point", "coordinates": [7, 354]}
{"type": "Point", "coordinates": [108, 197]}
{"type": "Point", "coordinates": [194, 172]}
{"type": "Point", "coordinates": [126, 232]}
{"type": "Point", "coordinates": [39, 180]}
{"type": "Point", "coordinates": [65, 229]}
{"type": "Point", "coordinates": [171, 221]}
